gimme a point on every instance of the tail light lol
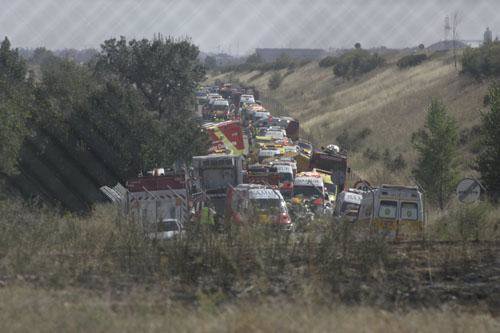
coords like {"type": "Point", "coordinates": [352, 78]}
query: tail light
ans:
{"type": "Point", "coordinates": [284, 218]}
{"type": "Point", "coordinates": [318, 202]}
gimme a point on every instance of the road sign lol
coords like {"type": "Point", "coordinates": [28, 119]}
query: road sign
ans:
{"type": "Point", "coordinates": [468, 190]}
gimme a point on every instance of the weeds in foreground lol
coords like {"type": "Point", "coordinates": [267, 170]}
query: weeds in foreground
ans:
{"type": "Point", "coordinates": [329, 262]}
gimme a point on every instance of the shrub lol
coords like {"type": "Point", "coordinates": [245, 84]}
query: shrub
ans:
{"type": "Point", "coordinates": [372, 154]}
{"type": "Point", "coordinates": [352, 141]}
{"type": "Point", "coordinates": [275, 81]}
{"type": "Point", "coordinates": [356, 62]}
{"type": "Point", "coordinates": [411, 60]}
{"type": "Point", "coordinates": [328, 61]}
{"type": "Point", "coordinates": [483, 61]}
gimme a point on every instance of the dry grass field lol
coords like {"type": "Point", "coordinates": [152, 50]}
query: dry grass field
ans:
{"type": "Point", "coordinates": [26, 309]}
{"type": "Point", "coordinates": [99, 273]}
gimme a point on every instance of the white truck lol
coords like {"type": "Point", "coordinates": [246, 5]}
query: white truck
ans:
{"type": "Point", "coordinates": [158, 198]}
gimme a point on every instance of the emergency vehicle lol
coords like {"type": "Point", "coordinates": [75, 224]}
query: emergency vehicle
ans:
{"type": "Point", "coordinates": [159, 197]}
{"type": "Point", "coordinates": [347, 205]}
{"type": "Point", "coordinates": [213, 174]}
{"type": "Point", "coordinates": [309, 186]}
{"type": "Point", "coordinates": [253, 203]}
{"type": "Point", "coordinates": [393, 211]}
{"type": "Point", "coordinates": [333, 160]}
{"type": "Point", "coordinates": [227, 137]}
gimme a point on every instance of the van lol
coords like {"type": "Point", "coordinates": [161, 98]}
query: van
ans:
{"type": "Point", "coordinates": [347, 204]}
{"type": "Point", "coordinates": [394, 211]}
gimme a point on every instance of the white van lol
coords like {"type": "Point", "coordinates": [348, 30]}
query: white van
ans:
{"type": "Point", "coordinates": [394, 211]}
{"type": "Point", "coordinates": [347, 204]}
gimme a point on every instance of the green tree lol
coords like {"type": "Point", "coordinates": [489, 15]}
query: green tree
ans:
{"type": "Point", "coordinates": [16, 98]}
{"type": "Point", "coordinates": [489, 158]}
{"type": "Point", "coordinates": [436, 145]}
{"type": "Point", "coordinates": [210, 62]}
{"type": "Point", "coordinates": [164, 70]}
{"type": "Point", "coordinates": [275, 81]}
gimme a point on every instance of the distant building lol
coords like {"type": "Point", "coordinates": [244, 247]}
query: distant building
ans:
{"type": "Point", "coordinates": [269, 55]}
{"type": "Point", "coordinates": [488, 36]}
{"type": "Point", "coordinates": [446, 45]}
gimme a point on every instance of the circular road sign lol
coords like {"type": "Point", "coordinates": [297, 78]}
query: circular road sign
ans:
{"type": "Point", "coordinates": [468, 190]}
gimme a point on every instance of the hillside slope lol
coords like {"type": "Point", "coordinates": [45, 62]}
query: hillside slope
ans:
{"type": "Point", "coordinates": [389, 102]}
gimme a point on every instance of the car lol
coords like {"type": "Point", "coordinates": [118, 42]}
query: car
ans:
{"type": "Point", "coordinates": [167, 229]}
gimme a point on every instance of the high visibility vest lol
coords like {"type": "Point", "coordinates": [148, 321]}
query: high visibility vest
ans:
{"type": "Point", "coordinates": [206, 216]}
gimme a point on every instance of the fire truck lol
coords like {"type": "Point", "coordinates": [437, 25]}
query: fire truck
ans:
{"type": "Point", "coordinates": [227, 138]}
{"type": "Point", "coordinates": [158, 198]}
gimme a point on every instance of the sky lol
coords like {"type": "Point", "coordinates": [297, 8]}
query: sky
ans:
{"type": "Point", "coordinates": [239, 26]}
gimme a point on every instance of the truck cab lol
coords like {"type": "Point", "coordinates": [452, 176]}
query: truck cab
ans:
{"type": "Point", "coordinates": [213, 174]}
{"type": "Point", "coordinates": [308, 188]}
{"type": "Point", "coordinates": [253, 203]}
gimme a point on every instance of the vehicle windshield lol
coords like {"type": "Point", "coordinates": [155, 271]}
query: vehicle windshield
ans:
{"type": "Point", "coordinates": [349, 207]}
{"type": "Point", "coordinates": [218, 178]}
{"type": "Point", "coordinates": [307, 191]}
{"type": "Point", "coordinates": [267, 205]}
{"type": "Point", "coordinates": [331, 188]}
{"type": "Point", "coordinates": [220, 107]}
{"type": "Point", "coordinates": [166, 226]}
{"type": "Point", "coordinates": [286, 177]}
{"type": "Point", "coordinates": [304, 145]}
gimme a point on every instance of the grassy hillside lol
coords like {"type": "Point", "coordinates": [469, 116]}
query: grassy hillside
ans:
{"type": "Point", "coordinates": [388, 101]}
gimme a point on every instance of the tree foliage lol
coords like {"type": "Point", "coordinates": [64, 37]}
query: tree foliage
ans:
{"type": "Point", "coordinates": [164, 70]}
{"type": "Point", "coordinates": [482, 62]}
{"type": "Point", "coordinates": [411, 60]}
{"type": "Point", "coordinates": [275, 81]}
{"type": "Point", "coordinates": [97, 123]}
{"type": "Point", "coordinates": [356, 62]}
{"type": "Point", "coordinates": [16, 100]}
{"type": "Point", "coordinates": [436, 145]}
{"type": "Point", "coordinates": [489, 157]}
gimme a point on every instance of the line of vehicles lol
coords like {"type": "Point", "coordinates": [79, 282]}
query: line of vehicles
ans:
{"type": "Point", "coordinates": [259, 170]}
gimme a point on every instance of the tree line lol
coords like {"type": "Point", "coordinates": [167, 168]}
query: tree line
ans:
{"type": "Point", "coordinates": [130, 109]}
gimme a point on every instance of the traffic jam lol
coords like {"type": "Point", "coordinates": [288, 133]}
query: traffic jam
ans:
{"type": "Point", "coordinates": [259, 170]}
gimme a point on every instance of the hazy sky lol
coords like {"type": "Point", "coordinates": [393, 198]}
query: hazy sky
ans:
{"type": "Point", "coordinates": [241, 25]}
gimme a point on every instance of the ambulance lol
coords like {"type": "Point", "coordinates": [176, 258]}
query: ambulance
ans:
{"type": "Point", "coordinates": [394, 211]}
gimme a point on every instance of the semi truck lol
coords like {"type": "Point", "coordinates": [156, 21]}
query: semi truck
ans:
{"type": "Point", "coordinates": [333, 160]}
{"type": "Point", "coordinates": [213, 174]}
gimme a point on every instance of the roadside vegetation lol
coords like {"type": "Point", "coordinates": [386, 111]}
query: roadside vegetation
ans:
{"type": "Point", "coordinates": [411, 60]}
{"type": "Point", "coordinates": [482, 62]}
{"type": "Point", "coordinates": [352, 63]}
{"type": "Point", "coordinates": [74, 269]}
